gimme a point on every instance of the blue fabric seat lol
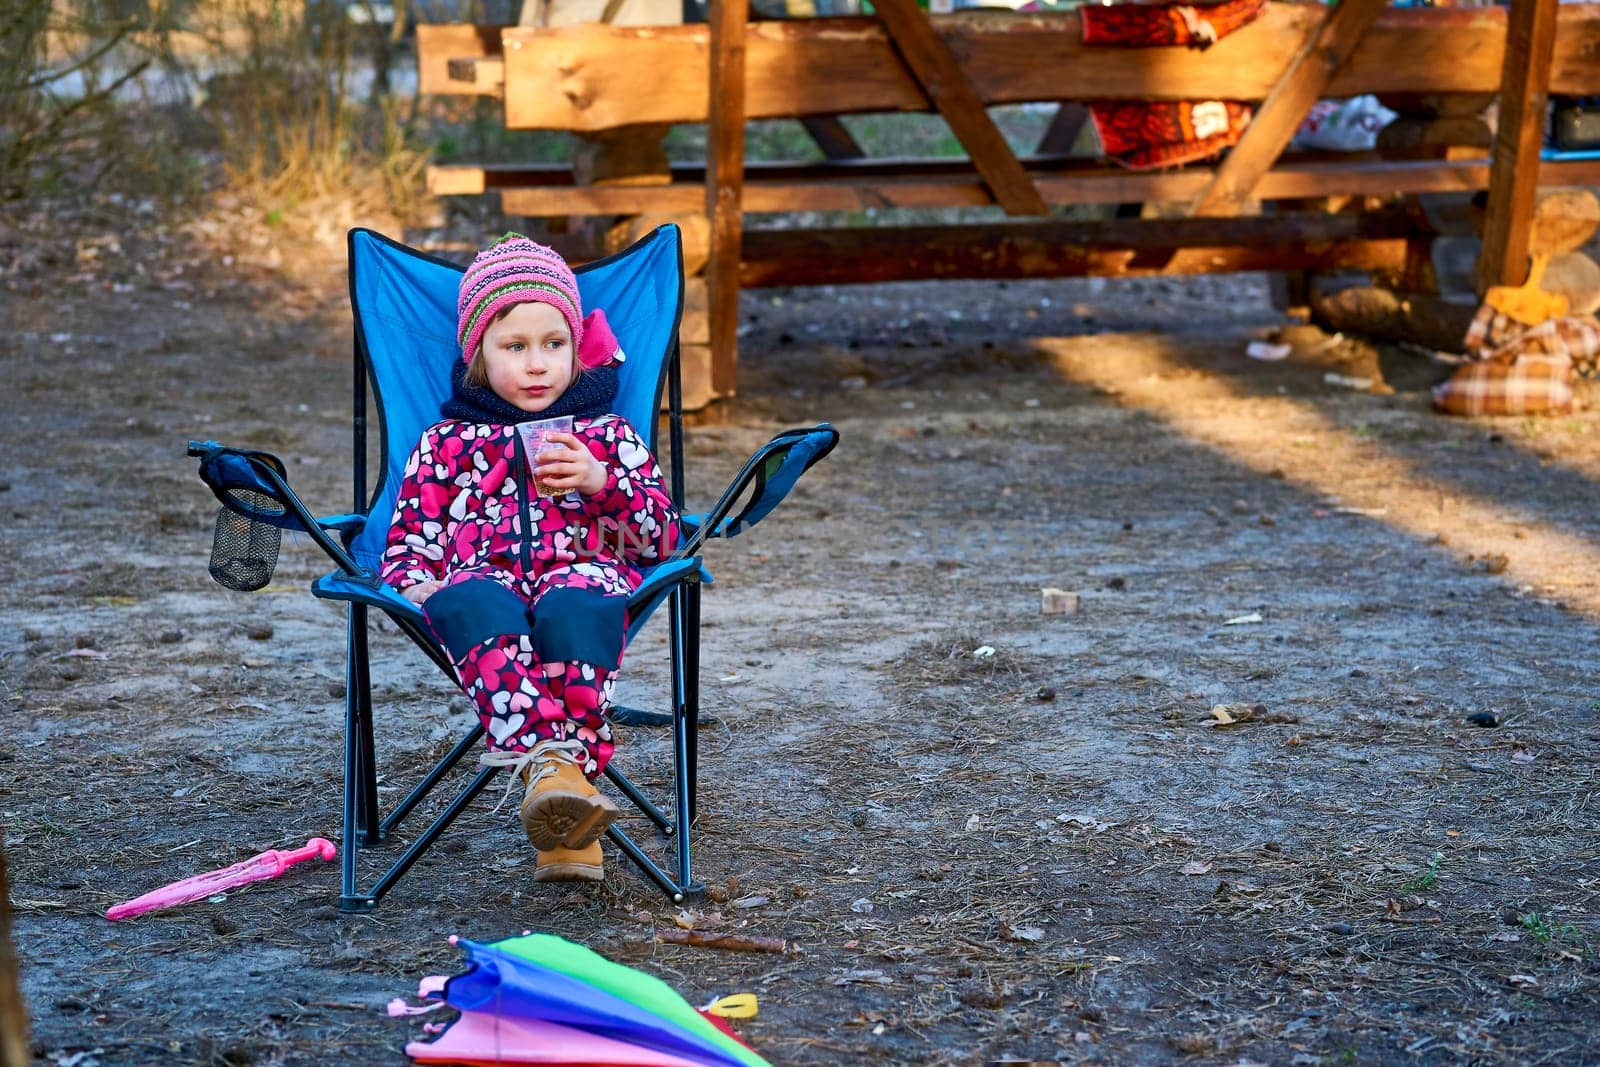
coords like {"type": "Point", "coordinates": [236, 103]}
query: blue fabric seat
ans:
{"type": "Point", "coordinates": [404, 303]}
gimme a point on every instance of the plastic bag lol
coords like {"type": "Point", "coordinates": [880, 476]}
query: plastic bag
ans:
{"type": "Point", "coordinates": [1343, 125]}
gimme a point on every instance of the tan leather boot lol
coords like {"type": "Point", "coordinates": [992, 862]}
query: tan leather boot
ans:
{"type": "Point", "coordinates": [570, 864]}
{"type": "Point", "coordinates": [562, 808]}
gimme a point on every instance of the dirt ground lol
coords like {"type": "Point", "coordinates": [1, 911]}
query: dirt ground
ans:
{"type": "Point", "coordinates": [1052, 852]}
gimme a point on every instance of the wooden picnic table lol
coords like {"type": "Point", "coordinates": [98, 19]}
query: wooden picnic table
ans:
{"type": "Point", "coordinates": [622, 87]}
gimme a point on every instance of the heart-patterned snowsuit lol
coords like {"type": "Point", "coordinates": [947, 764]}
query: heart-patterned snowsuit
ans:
{"type": "Point", "coordinates": [534, 624]}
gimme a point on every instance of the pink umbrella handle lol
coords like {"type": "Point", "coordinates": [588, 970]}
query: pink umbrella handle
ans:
{"type": "Point", "coordinates": [318, 848]}
{"type": "Point", "coordinates": [269, 864]}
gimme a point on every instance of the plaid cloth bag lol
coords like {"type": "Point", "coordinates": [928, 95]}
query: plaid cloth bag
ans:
{"type": "Point", "coordinates": [1578, 336]}
{"type": "Point", "coordinates": [1517, 369]}
{"type": "Point", "coordinates": [1528, 384]}
{"type": "Point", "coordinates": [1488, 331]}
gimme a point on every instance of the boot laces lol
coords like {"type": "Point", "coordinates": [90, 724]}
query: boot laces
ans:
{"type": "Point", "coordinates": [547, 755]}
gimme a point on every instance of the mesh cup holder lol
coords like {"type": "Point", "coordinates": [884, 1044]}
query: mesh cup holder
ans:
{"type": "Point", "coordinates": [244, 551]}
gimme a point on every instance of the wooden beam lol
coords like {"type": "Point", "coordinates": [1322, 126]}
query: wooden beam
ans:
{"type": "Point", "coordinates": [592, 76]}
{"type": "Point", "coordinates": [854, 186]}
{"type": "Point", "coordinates": [832, 137]}
{"type": "Point", "coordinates": [440, 44]}
{"type": "Point", "coordinates": [1524, 94]}
{"type": "Point", "coordinates": [724, 185]}
{"type": "Point", "coordinates": [1304, 81]}
{"type": "Point", "coordinates": [481, 75]}
{"type": "Point", "coordinates": [1062, 134]}
{"type": "Point", "coordinates": [941, 77]}
{"type": "Point", "coordinates": [1115, 247]}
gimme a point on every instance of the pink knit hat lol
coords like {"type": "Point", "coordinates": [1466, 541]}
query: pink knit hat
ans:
{"type": "Point", "coordinates": [516, 270]}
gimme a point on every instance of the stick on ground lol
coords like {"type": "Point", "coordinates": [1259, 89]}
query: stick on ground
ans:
{"type": "Point", "coordinates": [727, 942]}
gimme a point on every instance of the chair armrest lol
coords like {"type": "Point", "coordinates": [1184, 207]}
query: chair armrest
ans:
{"type": "Point", "coordinates": [665, 575]}
{"type": "Point", "coordinates": [256, 485]}
{"type": "Point", "coordinates": [369, 591]}
{"type": "Point", "coordinates": [366, 590]}
{"type": "Point", "coordinates": [376, 594]}
{"type": "Point", "coordinates": [359, 589]}
{"type": "Point", "coordinates": [659, 582]}
{"type": "Point", "coordinates": [768, 475]}
{"type": "Point", "coordinates": [348, 524]}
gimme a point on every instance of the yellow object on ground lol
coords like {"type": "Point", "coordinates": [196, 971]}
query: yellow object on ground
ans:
{"type": "Point", "coordinates": [1527, 302]}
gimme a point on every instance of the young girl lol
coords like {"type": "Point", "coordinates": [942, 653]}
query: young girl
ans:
{"type": "Point", "coordinates": [527, 592]}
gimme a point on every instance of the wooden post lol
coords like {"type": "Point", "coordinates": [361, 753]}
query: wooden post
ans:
{"type": "Point", "coordinates": [1303, 82]}
{"type": "Point", "coordinates": [13, 1011]}
{"type": "Point", "coordinates": [1514, 177]}
{"type": "Point", "coordinates": [725, 186]}
{"type": "Point", "coordinates": [934, 66]}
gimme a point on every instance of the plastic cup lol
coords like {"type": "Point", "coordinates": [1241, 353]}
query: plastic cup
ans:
{"type": "Point", "coordinates": [536, 439]}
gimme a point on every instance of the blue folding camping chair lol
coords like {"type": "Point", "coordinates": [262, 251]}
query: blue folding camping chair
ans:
{"type": "Point", "coordinates": [405, 343]}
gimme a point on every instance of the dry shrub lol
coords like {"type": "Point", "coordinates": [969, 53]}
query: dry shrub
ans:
{"type": "Point", "coordinates": [301, 116]}
{"type": "Point", "coordinates": [61, 67]}
{"type": "Point", "coordinates": [281, 107]}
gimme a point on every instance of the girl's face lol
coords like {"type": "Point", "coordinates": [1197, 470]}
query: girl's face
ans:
{"type": "Point", "coordinates": [527, 353]}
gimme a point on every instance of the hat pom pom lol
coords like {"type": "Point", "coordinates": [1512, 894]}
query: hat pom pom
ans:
{"type": "Point", "coordinates": [599, 345]}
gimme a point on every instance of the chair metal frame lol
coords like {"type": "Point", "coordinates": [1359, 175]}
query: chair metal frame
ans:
{"type": "Point", "coordinates": [767, 476]}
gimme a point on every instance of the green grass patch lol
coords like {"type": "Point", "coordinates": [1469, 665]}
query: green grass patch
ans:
{"type": "Point", "coordinates": [1426, 879]}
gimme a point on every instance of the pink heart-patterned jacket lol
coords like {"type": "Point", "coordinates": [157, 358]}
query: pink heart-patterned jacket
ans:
{"type": "Point", "coordinates": [467, 498]}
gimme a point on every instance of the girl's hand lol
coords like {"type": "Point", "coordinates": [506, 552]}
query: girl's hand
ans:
{"type": "Point", "coordinates": [421, 591]}
{"type": "Point", "coordinates": [570, 465]}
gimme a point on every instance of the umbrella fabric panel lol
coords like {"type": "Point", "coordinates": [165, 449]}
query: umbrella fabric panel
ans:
{"type": "Point", "coordinates": [510, 986]}
{"type": "Point", "coordinates": [627, 983]}
{"type": "Point", "coordinates": [483, 1039]}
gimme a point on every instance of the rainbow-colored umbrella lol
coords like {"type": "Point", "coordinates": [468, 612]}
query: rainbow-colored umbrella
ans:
{"type": "Point", "coordinates": [542, 999]}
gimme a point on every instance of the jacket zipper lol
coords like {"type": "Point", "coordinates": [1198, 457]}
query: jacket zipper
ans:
{"type": "Point", "coordinates": [520, 461]}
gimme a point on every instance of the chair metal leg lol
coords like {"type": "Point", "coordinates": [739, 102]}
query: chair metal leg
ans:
{"type": "Point", "coordinates": [637, 797]}
{"type": "Point", "coordinates": [431, 834]}
{"type": "Point", "coordinates": [680, 892]}
{"type": "Point", "coordinates": [622, 715]}
{"type": "Point", "coordinates": [350, 843]}
{"type": "Point", "coordinates": [370, 827]}
{"type": "Point", "coordinates": [353, 901]}
{"type": "Point", "coordinates": [682, 735]}
{"type": "Point", "coordinates": [691, 691]}
{"type": "Point", "coordinates": [424, 787]}
{"type": "Point", "coordinates": [364, 827]}
{"type": "Point", "coordinates": [680, 729]}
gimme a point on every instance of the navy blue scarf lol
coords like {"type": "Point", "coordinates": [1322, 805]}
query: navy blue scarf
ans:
{"type": "Point", "coordinates": [591, 396]}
